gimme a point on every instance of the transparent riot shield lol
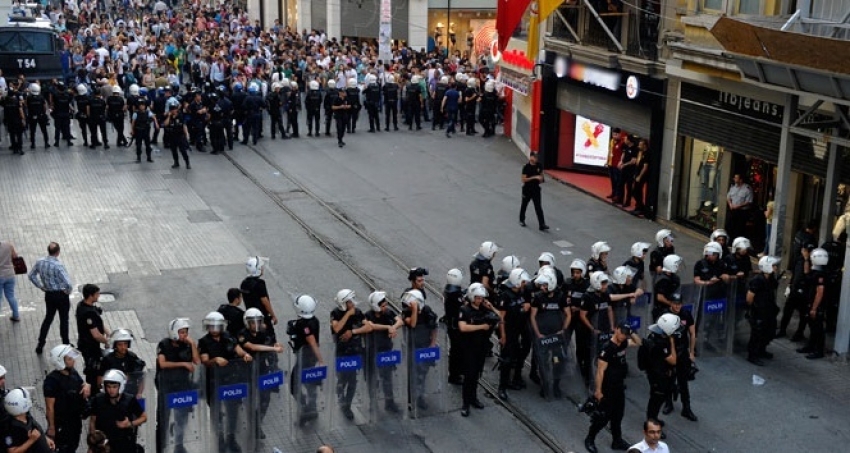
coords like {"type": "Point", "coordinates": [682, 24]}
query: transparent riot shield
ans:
{"type": "Point", "coordinates": [426, 371]}
{"type": "Point", "coordinates": [387, 374]}
{"type": "Point", "coordinates": [231, 414]}
{"type": "Point", "coordinates": [348, 376]}
{"type": "Point", "coordinates": [640, 314]}
{"type": "Point", "coordinates": [554, 363]}
{"type": "Point", "coordinates": [308, 386]}
{"type": "Point", "coordinates": [713, 322]}
{"type": "Point", "coordinates": [739, 328]}
{"type": "Point", "coordinates": [138, 386]}
{"type": "Point", "coordinates": [181, 421]}
{"type": "Point", "coordinates": [270, 400]}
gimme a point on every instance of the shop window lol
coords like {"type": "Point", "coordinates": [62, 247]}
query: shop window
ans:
{"type": "Point", "coordinates": [703, 184]}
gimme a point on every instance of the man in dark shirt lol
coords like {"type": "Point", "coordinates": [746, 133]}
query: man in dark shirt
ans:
{"type": "Point", "coordinates": [92, 333]}
{"type": "Point", "coordinates": [65, 396]}
{"type": "Point", "coordinates": [348, 325]}
{"type": "Point", "coordinates": [22, 430]}
{"type": "Point", "coordinates": [450, 105]}
{"type": "Point", "coordinates": [340, 108]}
{"type": "Point", "coordinates": [176, 357]}
{"type": "Point", "coordinates": [232, 313]}
{"type": "Point", "coordinates": [254, 291]}
{"type": "Point", "coordinates": [385, 324]}
{"type": "Point", "coordinates": [116, 413]}
{"type": "Point", "coordinates": [532, 177]}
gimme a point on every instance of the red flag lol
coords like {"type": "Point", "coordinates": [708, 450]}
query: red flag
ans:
{"type": "Point", "coordinates": [508, 15]}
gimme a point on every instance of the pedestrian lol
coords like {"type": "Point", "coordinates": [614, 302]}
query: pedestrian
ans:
{"type": "Point", "coordinates": [713, 275]}
{"type": "Point", "coordinates": [610, 387]}
{"type": "Point", "coordinates": [453, 300]}
{"type": "Point", "coordinates": [597, 315]}
{"type": "Point", "coordinates": [121, 358]}
{"type": "Point", "coordinates": [49, 275]}
{"type": "Point", "coordinates": [262, 344]}
{"type": "Point", "coordinates": [421, 322]}
{"type": "Point", "coordinates": [739, 200]}
{"type": "Point", "coordinates": [817, 302]}
{"type": "Point", "coordinates": [761, 298]}
{"type": "Point", "coordinates": [92, 333]}
{"type": "Point", "coordinates": [23, 432]}
{"type": "Point", "coordinates": [65, 397]}
{"type": "Point", "coordinates": [385, 325]}
{"type": "Point", "coordinates": [292, 107]}
{"type": "Point", "coordinates": [660, 361]}
{"type": "Point", "coordinates": [450, 106]}
{"type": "Point", "coordinates": [615, 153]}
{"type": "Point", "coordinates": [641, 177]}
{"type": "Point", "coordinates": [176, 359]}
{"type": "Point", "coordinates": [7, 278]}
{"type": "Point", "coordinates": [574, 290]}
{"type": "Point", "coordinates": [628, 161]}
{"type": "Point", "coordinates": [664, 241]}
{"type": "Point", "coordinates": [313, 104]}
{"type": "Point", "coordinates": [233, 314]}
{"type": "Point", "coordinates": [304, 339]}
{"type": "Point", "coordinates": [598, 257]}
{"type": "Point", "coordinates": [470, 104]}
{"type": "Point", "coordinates": [341, 108]}
{"type": "Point", "coordinates": [141, 126]}
{"type": "Point", "coordinates": [532, 177]}
{"type": "Point", "coordinates": [651, 442]}
{"type": "Point", "coordinates": [348, 324]}
{"type": "Point", "coordinates": [255, 294]}
{"type": "Point", "coordinates": [437, 96]}
{"type": "Point", "coordinates": [477, 321]}
{"type": "Point", "coordinates": [116, 413]}
{"type": "Point", "coordinates": [514, 310]}
{"type": "Point", "coordinates": [685, 338]}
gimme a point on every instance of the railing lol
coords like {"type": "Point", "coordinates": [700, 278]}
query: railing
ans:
{"type": "Point", "coordinates": [635, 30]}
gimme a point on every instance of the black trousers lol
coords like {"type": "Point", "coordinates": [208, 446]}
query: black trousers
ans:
{"type": "Point", "coordinates": [41, 122]}
{"type": "Point", "coordinates": [817, 332]}
{"type": "Point", "coordinates": [62, 127]}
{"type": "Point", "coordinates": [611, 409]}
{"type": "Point", "coordinates": [353, 116]}
{"type": "Point", "coordinates": [391, 110]}
{"type": "Point", "coordinates": [328, 118]}
{"type": "Point", "coordinates": [455, 354]}
{"type": "Point", "coordinates": [217, 138]}
{"type": "Point", "coordinates": [474, 356]}
{"type": "Point", "coordinates": [84, 128]}
{"type": "Point", "coordinates": [439, 118]}
{"type": "Point", "coordinates": [510, 359]}
{"type": "Point", "coordinates": [313, 120]}
{"type": "Point", "coordinates": [794, 302]}
{"type": "Point", "coordinates": [16, 137]}
{"type": "Point", "coordinates": [762, 330]}
{"type": "Point", "coordinates": [413, 114]}
{"type": "Point", "coordinates": [277, 125]}
{"type": "Point", "coordinates": [94, 127]}
{"type": "Point", "coordinates": [179, 143]}
{"type": "Point", "coordinates": [68, 432]}
{"type": "Point", "coordinates": [660, 388]}
{"type": "Point", "coordinates": [142, 136]}
{"type": "Point", "coordinates": [374, 120]}
{"type": "Point", "coordinates": [56, 301]}
{"type": "Point", "coordinates": [118, 124]}
{"type": "Point", "coordinates": [292, 118]}
{"type": "Point", "coordinates": [534, 196]}
{"type": "Point", "coordinates": [91, 370]}
{"type": "Point", "coordinates": [346, 387]}
{"type": "Point", "coordinates": [680, 380]}
{"type": "Point", "coordinates": [340, 128]}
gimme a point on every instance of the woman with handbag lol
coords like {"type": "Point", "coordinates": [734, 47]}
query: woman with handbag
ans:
{"type": "Point", "coordinates": [7, 276]}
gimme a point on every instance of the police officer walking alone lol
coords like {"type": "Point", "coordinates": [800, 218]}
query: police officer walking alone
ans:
{"type": "Point", "coordinates": [341, 108]}
{"type": "Point", "coordinates": [532, 177]}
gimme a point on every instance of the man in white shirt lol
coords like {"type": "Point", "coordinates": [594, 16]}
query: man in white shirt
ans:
{"type": "Point", "coordinates": [651, 439]}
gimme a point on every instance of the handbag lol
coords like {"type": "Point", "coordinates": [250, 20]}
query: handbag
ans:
{"type": "Point", "coordinates": [20, 265]}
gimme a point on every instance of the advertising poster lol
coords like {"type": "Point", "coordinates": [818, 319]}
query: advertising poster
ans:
{"type": "Point", "coordinates": [591, 142]}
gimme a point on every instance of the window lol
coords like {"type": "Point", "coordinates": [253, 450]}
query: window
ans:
{"type": "Point", "coordinates": [713, 5]}
{"type": "Point", "coordinates": [749, 7]}
{"type": "Point", "coordinates": [26, 42]}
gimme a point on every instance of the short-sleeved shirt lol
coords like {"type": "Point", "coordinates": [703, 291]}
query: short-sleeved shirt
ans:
{"type": "Point", "coordinates": [638, 265]}
{"type": "Point", "coordinates": [354, 345]}
{"type": "Point", "coordinates": [339, 102]}
{"type": "Point", "coordinates": [381, 338]}
{"type": "Point", "coordinates": [597, 304]}
{"type": "Point", "coordinates": [574, 290]}
{"type": "Point", "coordinates": [478, 269]}
{"type": "Point", "coordinates": [130, 363]}
{"type": "Point", "coordinates": [740, 194]}
{"type": "Point", "coordinates": [65, 388]}
{"type": "Point", "coordinates": [88, 317]}
{"type": "Point", "coordinates": [764, 300]}
{"type": "Point", "coordinates": [225, 347]}
{"type": "Point", "coordinates": [18, 433]}
{"type": "Point", "coordinates": [615, 374]}
{"type": "Point", "coordinates": [705, 271]}
{"type": "Point", "coordinates": [253, 290]}
{"type": "Point", "coordinates": [550, 311]}
{"type": "Point", "coordinates": [302, 329]}
{"type": "Point", "coordinates": [659, 351]}
{"type": "Point", "coordinates": [596, 265]}
{"type": "Point", "coordinates": [666, 285]}
{"type": "Point", "coordinates": [474, 316]}
{"type": "Point", "coordinates": [426, 322]}
{"type": "Point", "coordinates": [452, 98]}
{"type": "Point", "coordinates": [530, 171]}
{"type": "Point", "coordinates": [108, 414]}
{"type": "Point", "coordinates": [511, 303]}
{"type": "Point", "coordinates": [682, 335]}
{"type": "Point", "coordinates": [656, 257]}
{"type": "Point", "coordinates": [174, 351]}
{"type": "Point", "coordinates": [235, 318]}
{"type": "Point", "coordinates": [629, 153]}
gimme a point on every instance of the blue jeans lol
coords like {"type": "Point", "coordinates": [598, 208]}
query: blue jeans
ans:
{"type": "Point", "coordinates": [7, 287]}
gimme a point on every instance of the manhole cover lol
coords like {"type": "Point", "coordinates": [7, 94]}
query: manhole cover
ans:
{"type": "Point", "coordinates": [106, 298]}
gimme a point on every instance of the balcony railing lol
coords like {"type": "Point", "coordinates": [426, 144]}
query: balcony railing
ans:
{"type": "Point", "coordinates": [632, 29]}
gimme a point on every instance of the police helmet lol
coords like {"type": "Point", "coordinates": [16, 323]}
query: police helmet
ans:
{"type": "Point", "coordinates": [58, 354]}
{"type": "Point", "coordinates": [668, 323]}
{"type": "Point", "coordinates": [454, 277]}
{"type": "Point", "coordinates": [214, 322]}
{"type": "Point", "coordinates": [579, 264]}
{"type": "Point", "coordinates": [719, 233]}
{"type": "Point", "coordinates": [119, 335]}
{"type": "Point", "coordinates": [819, 257]}
{"type": "Point", "coordinates": [414, 295]}
{"type": "Point", "coordinates": [622, 274]}
{"type": "Point", "coordinates": [597, 279]}
{"type": "Point", "coordinates": [116, 90]}
{"type": "Point", "coordinates": [176, 325]}
{"type": "Point", "coordinates": [294, 85]}
{"type": "Point", "coordinates": [476, 290]}
{"type": "Point", "coordinates": [639, 249]}
{"type": "Point", "coordinates": [545, 279]}
{"type": "Point", "coordinates": [766, 263]}
{"type": "Point", "coordinates": [672, 263]}
{"type": "Point", "coordinates": [546, 257]}
{"type": "Point", "coordinates": [253, 88]}
{"type": "Point", "coordinates": [444, 80]}
{"type": "Point", "coordinates": [134, 89]}
{"type": "Point", "coordinates": [352, 83]}
{"type": "Point", "coordinates": [342, 298]}
{"type": "Point", "coordinates": [314, 85]}
{"type": "Point", "coordinates": [17, 402]}
{"type": "Point", "coordinates": [488, 249]}
{"type": "Point", "coordinates": [517, 277]}
{"type": "Point", "coordinates": [598, 248]}
{"type": "Point", "coordinates": [253, 316]}
{"type": "Point", "coordinates": [371, 78]}
{"type": "Point", "coordinates": [510, 263]}
{"type": "Point", "coordinates": [376, 298]}
{"type": "Point", "coordinates": [82, 89]}
{"type": "Point", "coordinates": [390, 78]}
{"type": "Point", "coordinates": [305, 306]}
{"type": "Point", "coordinates": [237, 86]}
{"type": "Point", "coordinates": [741, 243]}
{"type": "Point", "coordinates": [415, 80]}
{"type": "Point", "coordinates": [663, 234]}
{"type": "Point", "coordinates": [490, 86]}
{"type": "Point", "coordinates": [35, 89]}
{"type": "Point", "coordinates": [712, 248]}
{"type": "Point", "coordinates": [115, 377]}
{"type": "Point", "coordinates": [255, 266]}
{"type": "Point", "coordinates": [331, 83]}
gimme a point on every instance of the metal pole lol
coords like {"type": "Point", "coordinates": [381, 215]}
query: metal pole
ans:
{"type": "Point", "coordinates": [449, 27]}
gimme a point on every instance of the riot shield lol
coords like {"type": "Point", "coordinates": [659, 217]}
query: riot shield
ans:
{"type": "Point", "coordinates": [640, 314]}
{"type": "Point", "coordinates": [181, 423]}
{"type": "Point", "coordinates": [387, 374]}
{"type": "Point", "coordinates": [713, 322]}
{"type": "Point", "coordinates": [348, 375]}
{"type": "Point", "coordinates": [138, 386]}
{"type": "Point", "coordinates": [270, 401]}
{"type": "Point", "coordinates": [231, 414]}
{"type": "Point", "coordinates": [553, 362]}
{"type": "Point", "coordinates": [426, 371]}
{"type": "Point", "coordinates": [308, 383]}
{"type": "Point", "coordinates": [739, 329]}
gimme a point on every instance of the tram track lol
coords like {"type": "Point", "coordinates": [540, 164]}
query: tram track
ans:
{"type": "Point", "coordinates": [337, 252]}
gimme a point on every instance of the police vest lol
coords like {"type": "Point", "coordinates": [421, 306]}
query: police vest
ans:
{"type": "Point", "coordinates": [143, 121]}
{"type": "Point", "coordinates": [330, 97]}
{"type": "Point", "coordinates": [391, 90]}
{"type": "Point", "coordinates": [488, 102]}
{"type": "Point", "coordinates": [314, 100]}
{"type": "Point", "coordinates": [11, 108]}
{"type": "Point", "coordinates": [115, 106]}
{"type": "Point", "coordinates": [440, 93]}
{"type": "Point", "coordinates": [353, 97]}
{"type": "Point", "coordinates": [175, 125]}
{"type": "Point", "coordinates": [413, 92]}
{"type": "Point", "coordinates": [62, 104]}
{"type": "Point", "coordinates": [374, 95]}
{"type": "Point", "coordinates": [35, 105]}
{"type": "Point", "coordinates": [274, 104]}
{"type": "Point", "coordinates": [97, 108]}
{"type": "Point", "coordinates": [82, 101]}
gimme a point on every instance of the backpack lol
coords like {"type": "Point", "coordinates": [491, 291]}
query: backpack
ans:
{"type": "Point", "coordinates": [644, 352]}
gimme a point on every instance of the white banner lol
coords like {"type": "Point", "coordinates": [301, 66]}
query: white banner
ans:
{"type": "Point", "coordinates": [385, 31]}
{"type": "Point", "coordinates": [591, 142]}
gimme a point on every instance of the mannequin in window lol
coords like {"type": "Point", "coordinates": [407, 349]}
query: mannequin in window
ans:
{"type": "Point", "coordinates": [452, 34]}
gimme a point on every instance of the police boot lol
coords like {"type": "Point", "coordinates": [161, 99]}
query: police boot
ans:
{"type": "Point", "coordinates": [620, 444]}
{"type": "Point", "coordinates": [517, 383]}
{"type": "Point", "coordinates": [391, 406]}
{"type": "Point", "coordinates": [590, 444]}
{"type": "Point", "coordinates": [503, 394]}
{"type": "Point", "coordinates": [176, 164]}
{"type": "Point", "coordinates": [668, 407]}
{"type": "Point", "coordinates": [688, 413]}
{"type": "Point", "coordinates": [346, 410]}
{"type": "Point", "coordinates": [556, 388]}
{"type": "Point", "coordinates": [534, 377]}
{"type": "Point", "coordinates": [232, 445]}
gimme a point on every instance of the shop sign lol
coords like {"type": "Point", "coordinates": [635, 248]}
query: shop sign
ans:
{"type": "Point", "coordinates": [514, 80]}
{"type": "Point", "coordinates": [597, 77]}
{"type": "Point", "coordinates": [591, 142]}
{"type": "Point", "coordinates": [731, 102]}
{"type": "Point", "coordinates": [632, 87]}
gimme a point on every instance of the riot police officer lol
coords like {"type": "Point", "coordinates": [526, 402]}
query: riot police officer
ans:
{"type": "Point", "coordinates": [550, 316]}
{"type": "Point", "coordinates": [514, 309]}
{"type": "Point", "coordinates": [487, 114]}
{"type": "Point", "coordinates": [391, 102]}
{"type": "Point", "coordinates": [637, 263]}
{"type": "Point", "coordinates": [175, 135]}
{"type": "Point", "coordinates": [328, 102]}
{"type": "Point", "coordinates": [660, 362]}
{"type": "Point", "coordinates": [598, 257]}
{"type": "Point", "coordinates": [437, 103]}
{"type": "Point", "coordinates": [239, 113]}
{"type": "Point", "coordinates": [385, 325]}
{"type": "Point", "coordinates": [253, 106]}
{"type": "Point", "coordinates": [37, 114]}
{"type": "Point", "coordinates": [596, 313]}
{"type": "Point", "coordinates": [452, 302]}
{"type": "Point", "coordinates": [304, 341]}
{"type": "Point", "coordinates": [97, 120]}
{"type": "Point", "coordinates": [421, 322]}
{"type": "Point", "coordinates": [257, 340]}
{"type": "Point", "coordinates": [216, 119]}
{"type": "Point", "coordinates": [481, 267]}
{"type": "Point", "coordinates": [712, 273]}
{"type": "Point", "coordinates": [667, 284]}
{"type": "Point", "coordinates": [353, 92]}
{"type": "Point", "coordinates": [116, 413]}
{"type": "Point", "coordinates": [14, 117]}
{"type": "Point", "coordinates": [62, 114]}
{"type": "Point", "coordinates": [574, 290]}
{"type": "Point", "coordinates": [685, 338]}
{"type": "Point", "coordinates": [664, 241]}
{"type": "Point", "coordinates": [373, 102]}
{"type": "Point", "coordinates": [470, 103]}
{"type": "Point", "coordinates": [65, 395]}
{"type": "Point", "coordinates": [761, 298]}
{"type": "Point", "coordinates": [92, 333]}
{"type": "Point", "coordinates": [255, 294]}
{"type": "Point", "coordinates": [348, 325]}
{"type": "Point", "coordinates": [141, 126]}
{"type": "Point", "coordinates": [135, 98]}
{"type": "Point", "coordinates": [275, 103]}
{"type": "Point", "coordinates": [313, 104]}
{"type": "Point", "coordinates": [225, 105]}
{"type": "Point", "coordinates": [116, 110]}
{"type": "Point", "coordinates": [293, 106]}
{"type": "Point", "coordinates": [159, 109]}
{"type": "Point", "coordinates": [198, 116]}
{"type": "Point", "coordinates": [413, 94]}
{"type": "Point", "coordinates": [176, 358]}
{"type": "Point", "coordinates": [817, 301]}
{"type": "Point", "coordinates": [477, 321]}
{"type": "Point", "coordinates": [22, 431]}
{"type": "Point", "coordinates": [123, 359]}
{"type": "Point", "coordinates": [341, 109]}
{"type": "Point", "coordinates": [623, 292]}
{"type": "Point", "coordinates": [82, 101]}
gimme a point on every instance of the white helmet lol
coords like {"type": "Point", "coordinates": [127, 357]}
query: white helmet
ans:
{"type": "Point", "coordinates": [82, 90]}
{"type": "Point", "coordinates": [720, 232]}
{"type": "Point", "coordinates": [352, 83]}
{"type": "Point", "coordinates": [712, 247]}
{"type": "Point", "coordinates": [510, 263]}
{"type": "Point", "coordinates": [622, 274]}
{"type": "Point", "coordinates": [444, 79]}
{"type": "Point", "coordinates": [454, 277]}
{"type": "Point", "coordinates": [476, 290]}
{"type": "Point", "coordinates": [741, 243]}
{"type": "Point", "coordinates": [461, 78]}
{"type": "Point", "coordinates": [766, 263]}
{"type": "Point", "coordinates": [284, 82]}
{"type": "Point", "coordinates": [116, 90]}
{"type": "Point", "coordinates": [414, 295]}
{"type": "Point", "coordinates": [255, 265]}
{"type": "Point", "coordinates": [639, 249]}
{"type": "Point", "coordinates": [17, 402]}
{"type": "Point", "coordinates": [305, 306]}
{"type": "Point", "coordinates": [598, 249]}
{"type": "Point", "coordinates": [35, 88]}
{"type": "Point", "coordinates": [819, 257]}
{"type": "Point", "coordinates": [548, 270]}
{"type": "Point", "coordinates": [546, 279]}
{"type": "Point", "coordinates": [376, 298]}
{"type": "Point", "coordinates": [115, 377]}
{"type": "Point", "coordinates": [294, 85]}
{"type": "Point", "coordinates": [470, 82]}
{"type": "Point", "coordinates": [253, 315]}
{"type": "Point", "coordinates": [672, 263]}
{"type": "Point", "coordinates": [547, 257]}
{"type": "Point", "coordinates": [414, 80]}
{"type": "Point", "coordinates": [668, 323]}
{"type": "Point", "coordinates": [214, 320]}
{"type": "Point", "coordinates": [119, 335]}
{"type": "Point", "coordinates": [314, 85]}
{"type": "Point", "coordinates": [331, 83]}
{"type": "Point", "coordinates": [342, 298]}
{"type": "Point", "coordinates": [597, 279]}
{"type": "Point", "coordinates": [580, 265]}
{"type": "Point", "coordinates": [58, 354]}
{"type": "Point", "coordinates": [2, 371]}
{"type": "Point", "coordinates": [489, 86]}
{"type": "Point", "coordinates": [390, 78]}
{"type": "Point", "coordinates": [134, 89]}
{"type": "Point", "coordinates": [661, 235]}
{"type": "Point", "coordinates": [175, 326]}
{"type": "Point", "coordinates": [488, 249]}
{"type": "Point", "coordinates": [371, 78]}
{"type": "Point", "coordinates": [517, 276]}
{"type": "Point", "coordinates": [276, 86]}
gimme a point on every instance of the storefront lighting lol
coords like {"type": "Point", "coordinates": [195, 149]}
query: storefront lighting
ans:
{"type": "Point", "coordinates": [561, 66]}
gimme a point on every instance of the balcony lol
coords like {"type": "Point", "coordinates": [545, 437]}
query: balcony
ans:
{"type": "Point", "coordinates": [631, 29]}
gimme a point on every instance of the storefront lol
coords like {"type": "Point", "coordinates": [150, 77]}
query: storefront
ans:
{"type": "Point", "coordinates": [586, 104]}
{"type": "Point", "coordinates": [461, 25]}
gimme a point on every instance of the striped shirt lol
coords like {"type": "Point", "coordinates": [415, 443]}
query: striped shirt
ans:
{"type": "Point", "coordinates": [49, 274]}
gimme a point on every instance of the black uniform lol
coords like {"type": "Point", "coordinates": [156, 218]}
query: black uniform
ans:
{"type": "Point", "coordinates": [88, 317]}
{"type": "Point", "coordinates": [18, 433]}
{"type": "Point", "coordinates": [328, 103]}
{"type": "Point", "coordinates": [197, 124]}
{"type": "Point", "coordinates": [373, 102]}
{"type": "Point", "coordinates": [549, 317]}
{"type": "Point", "coordinates": [531, 193]}
{"type": "Point", "coordinates": [594, 265]}
{"type": "Point", "coordinates": [68, 407]}
{"type": "Point", "coordinates": [173, 380]}
{"type": "Point", "coordinates": [656, 258]}
{"type": "Point", "coordinates": [132, 366]}
{"type": "Point", "coordinates": [110, 412]}
{"type": "Point", "coordinates": [487, 115]}
{"type": "Point", "coordinates": [313, 103]}
{"type": "Point", "coordinates": [235, 318]}
{"type": "Point", "coordinates": [613, 403]}
{"type": "Point", "coordinates": [62, 116]}
{"type": "Point", "coordinates": [681, 377]}
{"type": "Point", "coordinates": [253, 290]}
{"type": "Point", "coordinates": [381, 342]}
{"type": "Point", "coordinates": [299, 330]}
{"type": "Point", "coordinates": [353, 96]}
{"type": "Point", "coordinates": [13, 117]}
{"type": "Point", "coordinates": [517, 341]}
{"type": "Point", "coordinates": [705, 271]}
{"type": "Point", "coordinates": [226, 107]}
{"type": "Point", "coordinates": [479, 268]}
{"type": "Point", "coordinates": [437, 106]}
{"type": "Point", "coordinates": [391, 104]}
{"type": "Point", "coordinates": [37, 117]}
{"type": "Point", "coordinates": [341, 112]}
{"type": "Point", "coordinates": [253, 106]}
{"type": "Point", "coordinates": [475, 347]}
{"type": "Point", "coordinates": [293, 106]}
{"type": "Point", "coordinates": [216, 125]}
{"type": "Point", "coordinates": [275, 103]}
{"type": "Point", "coordinates": [796, 301]}
{"type": "Point", "coordinates": [420, 337]}
{"type": "Point", "coordinates": [158, 108]}
{"type": "Point", "coordinates": [142, 121]}
{"type": "Point", "coordinates": [224, 347]}
{"type": "Point", "coordinates": [597, 305]}
{"type": "Point", "coordinates": [83, 101]}
{"type": "Point", "coordinates": [452, 302]}
{"type": "Point", "coordinates": [817, 328]}
{"type": "Point", "coordinates": [268, 363]}
{"type": "Point", "coordinates": [115, 107]}
{"type": "Point", "coordinates": [665, 285]}
{"type": "Point", "coordinates": [763, 313]}
{"type": "Point", "coordinates": [346, 384]}
{"type": "Point", "coordinates": [174, 137]}
{"type": "Point", "coordinates": [470, 104]}
{"type": "Point", "coordinates": [659, 373]}
{"type": "Point", "coordinates": [97, 121]}
{"type": "Point", "coordinates": [574, 291]}
{"type": "Point", "coordinates": [238, 100]}
{"type": "Point", "coordinates": [414, 105]}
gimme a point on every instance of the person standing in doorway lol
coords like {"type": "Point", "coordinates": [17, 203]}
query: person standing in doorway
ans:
{"type": "Point", "coordinates": [738, 200]}
{"type": "Point", "coordinates": [532, 177]}
{"type": "Point", "coordinates": [49, 275]}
